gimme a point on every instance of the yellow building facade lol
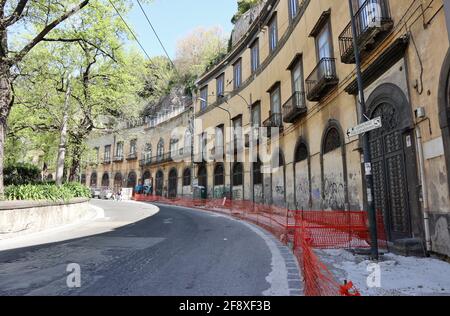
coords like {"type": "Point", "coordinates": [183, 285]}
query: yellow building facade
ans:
{"type": "Point", "coordinates": [294, 68]}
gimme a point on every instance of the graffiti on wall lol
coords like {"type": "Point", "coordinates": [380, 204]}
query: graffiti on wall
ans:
{"type": "Point", "coordinates": [334, 193]}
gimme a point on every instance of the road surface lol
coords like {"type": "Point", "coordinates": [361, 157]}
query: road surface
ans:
{"type": "Point", "coordinates": [177, 251]}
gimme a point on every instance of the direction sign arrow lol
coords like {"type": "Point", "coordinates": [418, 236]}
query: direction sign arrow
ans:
{"type": "Point", "coordinates": [365, 127]}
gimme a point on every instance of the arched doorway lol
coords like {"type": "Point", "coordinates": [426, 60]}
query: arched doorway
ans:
{"type": "Point", "coordinates": [132, 180]}
{"type": "Point", "coordinates": [219, 181]}
{"type": "Point", "coordinates": [173, 183]}
{"type": "Point", "coordinates": [93, 182]}
{"type": "Point", "coordinates": [238, 181]}
{"type": "Point", "coordinates": [258, 189]}
{"type": "Point", "coordinates": [203, 177]}
{"type": "Point", "coordinates": [278, 180]}
{"type": "Point", "coordinates": [394, 161]}
{"type": "Point", "coordinates": [302, 176]}
{"type": "Point", "coordinates": [105, 180]}
{"type": "Point", "coordinates": [159, 183]}
{"type": "Point", "coordinates": [118, 182]}
{"type": "Point", "coordinates": [333, 165]}
{"type": "Point", "coordinates": [444, 111]}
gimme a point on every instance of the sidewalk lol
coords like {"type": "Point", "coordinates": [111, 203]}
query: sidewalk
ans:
{"type": "Point", "coordinates": [399, 276]}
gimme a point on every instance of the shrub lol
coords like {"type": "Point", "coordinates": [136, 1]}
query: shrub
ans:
{"type": "Point", "coordinates": [47, 192]}
{"type": "Point", "coordinates": [21, 173]}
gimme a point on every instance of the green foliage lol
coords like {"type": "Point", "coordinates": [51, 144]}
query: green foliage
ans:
{"type": "Point", "coordinates": [46, 192]}
{"type": "Point", "coordinates": [21, 173]}
{"type": "Point", "coordinates": [243, 7]}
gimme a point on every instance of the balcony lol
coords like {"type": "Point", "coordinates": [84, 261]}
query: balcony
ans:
{"type": "Point", "coordinates": [118, 158]}
{"type": "Point", "coordinates": [322, 80]}
{"type": "Point", "coordinates": [275, 120]}
{"type": "Point", "coordinates": [106, 161]}
{"type": "Point", "coordinates": [294, 107]}
{"type": "Point", "coordinates": [373, 23]}
{"type": "Point", "coordinates": [145, 162]}
{"type": "Point", "coordinates": [132, 156]}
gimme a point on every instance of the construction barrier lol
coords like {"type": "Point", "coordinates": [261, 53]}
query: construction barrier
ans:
{"type": "Point", "coordinates": [304, 231]}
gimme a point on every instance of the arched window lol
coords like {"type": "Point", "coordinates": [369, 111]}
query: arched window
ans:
{"type": "Point", "coordinates": [94, 179]}
{"type": "Point", "coordinates": [301, 153]}
{"type": "Point", "coordinates": [105, 180]}
{"type": "Point", "coordinates": [257, 174]}
{"type": "Point", "coordinates": [160, 149]}
{"type": "Point", "coordinates": [332, 141]}
{"type": "Point", "coordinates": [187, 177]}
{"type": "Point", "coordinates": [219, 177]}
{"type": "Point", "coordinates": [238, 176]}
{"type": "Point", "coordinates": [147, 175]}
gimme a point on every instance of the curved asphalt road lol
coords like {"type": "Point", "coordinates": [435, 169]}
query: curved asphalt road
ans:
{"type": "Point", "coordinates": [178, 251]}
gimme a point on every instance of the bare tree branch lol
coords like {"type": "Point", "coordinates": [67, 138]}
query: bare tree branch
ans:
{"type": "Point", "coordinates": [16, 15]}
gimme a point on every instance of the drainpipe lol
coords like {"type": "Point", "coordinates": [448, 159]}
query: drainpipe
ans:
{"type": "Point", "coordinates": [426, 207]}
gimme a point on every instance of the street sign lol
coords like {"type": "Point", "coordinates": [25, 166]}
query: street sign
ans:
{"type": "Point", "coordinates": [365, 127]}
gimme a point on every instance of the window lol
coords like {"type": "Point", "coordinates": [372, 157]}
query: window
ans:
{"type": "Point", "coordinates": [275, 100]}
{"type": "Point", "coordinates": [188, 142]}
{"type": "Point", "coordinates": [133, 147]}
{"type": "Point", "coordinates": [160, 149]}
{"type": "Point", "coordinates": [297, 76]}
{"type": "Point", "coordinates": [237, 71]}
{"type": "Point", "coordinates": [273, 34]}
{"type": "Point", "coordinates": [301, 153]}
{"type": "Point", "coordinates": [119, 150]}
{"type": "Point", "coordinates": [148, 153]}
{"type": "Point", "coordinates": [293, 9]}
{"type": "Point", "coordinates": [173, 147]}
{"type": "Point", "coordinates": [254, 49]}
{"type": "Point", "coordinates": [238, 176]}
{"type": "Point", "coordinates": [187, 177]}
{"type": "Point", "coordinates": [332, 141]}
{"type": "Point", "coordinates": [256, 122]}
{"type": "Point", "coordinates": [97, 154]}
{"type": "Point", "coordinates": [323, 42]}
{"type": "Point", "coordinates": [219, 176]}
{"type": "Point", "coordinates": [107, 154]}
{"type": "Point", "coordinates": [219, 146]}
{"type": "Point", "coordinates": [220, 86]}
{"type": "Point", "coordinates": [204, 98]}
{"type": "Point", "coordinates": [237, 126]}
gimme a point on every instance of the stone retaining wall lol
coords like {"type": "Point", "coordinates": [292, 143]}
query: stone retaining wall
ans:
{"type": "Point", "coordinates": [25, 217]}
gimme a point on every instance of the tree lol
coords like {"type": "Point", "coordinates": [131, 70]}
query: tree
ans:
{"type": "Point", "coordinates": [48, 22]}
{"type": "Point", "coordinates": [197, 51]}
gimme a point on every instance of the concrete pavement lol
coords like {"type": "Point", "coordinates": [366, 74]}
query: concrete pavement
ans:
{"type": "Point", "coordinates": [177, 251]}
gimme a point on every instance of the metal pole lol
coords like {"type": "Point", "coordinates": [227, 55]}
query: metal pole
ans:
{"type": "Point", "coordinates": [366, 147]}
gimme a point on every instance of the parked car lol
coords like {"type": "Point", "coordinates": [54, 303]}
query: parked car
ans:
{"type": "Point", "coordinates": [95, 193]}
{"type": "Point", "coordinates": [106, 194]}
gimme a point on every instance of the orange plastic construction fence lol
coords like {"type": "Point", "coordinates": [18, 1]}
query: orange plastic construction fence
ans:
{"type": "Point", "coordinates": [304, 230]}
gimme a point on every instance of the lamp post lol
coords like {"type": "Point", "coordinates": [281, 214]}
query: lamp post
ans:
{"type": "Point", "coordinates": [365, 139]}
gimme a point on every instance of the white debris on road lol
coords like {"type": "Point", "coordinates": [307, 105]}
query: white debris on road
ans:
{"type": "Point", "coordinates": [399, 276]}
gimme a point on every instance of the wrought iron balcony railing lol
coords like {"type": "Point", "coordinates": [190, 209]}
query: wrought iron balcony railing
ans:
{"type": "Point", "coordinates": [132, 156]}
{"type": "Point", "coordinates": [106, 160]}
{"type": "Point", "coordinates": [373, 22]}
{"type": "Point", "coordinates": [322, 79]}
{"type": "Point", "coordinates": [118, 158]}
{"type": "Point", "coordinates": [294, 107]}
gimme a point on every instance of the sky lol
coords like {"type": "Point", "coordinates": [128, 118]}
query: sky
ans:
{"type": "Point", "coordinates": [173, 19]}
